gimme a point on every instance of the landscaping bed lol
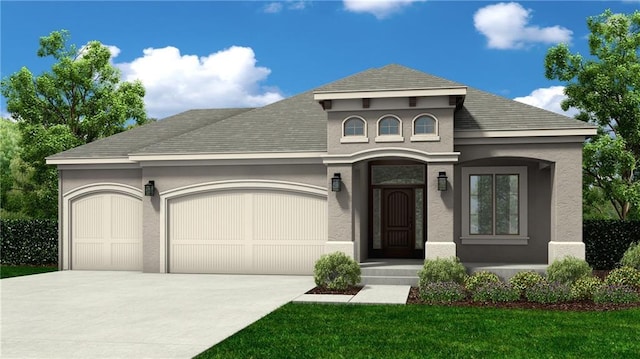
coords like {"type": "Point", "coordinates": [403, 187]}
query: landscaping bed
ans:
{"type": "Point", "coordinates": [351, 290]}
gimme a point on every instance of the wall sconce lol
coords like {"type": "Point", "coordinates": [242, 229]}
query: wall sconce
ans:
{"type": "Point", "coordinates": [442, 181]}
{"type": "Point", "coordinates": [150, 188]}
{"type": "Point", "coordinates": [336, 182]}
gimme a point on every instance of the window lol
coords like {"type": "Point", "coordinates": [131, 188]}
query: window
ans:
{"type": "Point", "coordinates": [494, 205]}
{"type": "Point", "coordinates": [354, 129]}
{"type": "Point", "coordinates": [389, 129]}
{"type": "Point", "coordinates": [425, 128]}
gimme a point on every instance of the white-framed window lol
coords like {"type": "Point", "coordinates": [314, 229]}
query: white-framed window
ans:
{"type": "Point", "coordinates": [425, 128]}
{"type": "Point", "coordinates": [389, 129]}
{"type": "Point", "coordinates": [354, 129]}
{"type": "Point", "coordinates": [494, 205]}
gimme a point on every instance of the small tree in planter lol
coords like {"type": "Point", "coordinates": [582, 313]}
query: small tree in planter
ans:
{"type": "Point", "coordinates": [336, 271]}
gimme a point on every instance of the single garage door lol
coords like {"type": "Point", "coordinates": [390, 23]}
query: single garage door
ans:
{"type": "Point", "coordinates": [246, 231]}
{"type": "Point", "coordinates": [106, 232]}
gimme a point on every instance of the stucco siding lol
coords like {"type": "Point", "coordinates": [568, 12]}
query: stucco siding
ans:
{"type": "Point", "coordinates": [72, 179]}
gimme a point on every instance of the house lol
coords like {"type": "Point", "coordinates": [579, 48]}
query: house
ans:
{"type": "Point", "coordinates": [387, 163]}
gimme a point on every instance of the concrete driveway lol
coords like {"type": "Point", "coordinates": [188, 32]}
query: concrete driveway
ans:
{"type": "Point", "coordinates": [84, 314]}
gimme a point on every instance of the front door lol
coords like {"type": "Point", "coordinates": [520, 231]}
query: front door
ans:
{"type": "Point", "coordinates": [398, 214]}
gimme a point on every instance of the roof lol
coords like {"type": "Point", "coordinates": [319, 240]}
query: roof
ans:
{"type": "Point", "coordinates": [298, 123]}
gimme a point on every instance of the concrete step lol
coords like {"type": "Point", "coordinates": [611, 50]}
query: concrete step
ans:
{"type": "Point", "coordinates": [389, 280]}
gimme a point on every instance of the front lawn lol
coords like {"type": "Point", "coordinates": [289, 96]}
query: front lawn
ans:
{"type": "Point", "coordinates": [422, 331]}
{"type": "Point", "coordinates": [8, 271]}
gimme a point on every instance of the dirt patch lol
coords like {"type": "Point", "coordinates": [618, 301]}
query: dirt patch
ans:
{"type": "Point", "coordinates": [322, 290]}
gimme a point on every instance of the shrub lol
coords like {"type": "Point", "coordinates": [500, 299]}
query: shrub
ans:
{"type": "Point", "coordinates": [442, 270]}
{"type": "Point", "coordinates": [584, 288]}
{"type": "Point", "coordinates": [495, 292]}
{"type": "Point", "coordinates": [631, 258]}
{"type": "Point", "coordinates": [548, 293]}
{"type": "Point", "coordinates": [479, 279]}
{"type": "Point", "coordinates": [525, 280]}
{"type": "Point", "coordinates": [628, 276]}
{"type": "Point", "coordinates": [442, 292]}
{"type": "Point", "coordinates": [29, 241]}
{"type": "Point", "coordinates": [615, 293]}
{"type": "Point", "coordinates": [336, 271]}
{"type": "Point", "coordinates": [606, 240]}
{"type": "Point", "coordinates": [568, 270]}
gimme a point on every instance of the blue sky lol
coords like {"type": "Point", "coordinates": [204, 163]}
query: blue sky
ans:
{"type": "Point", "coordinates": [209, 54]}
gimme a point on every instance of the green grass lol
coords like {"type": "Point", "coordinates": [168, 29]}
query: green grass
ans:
{"type": "Point", "coordinates": [8, 271]}
{"type": "Point", "coordinates": [420, 331]}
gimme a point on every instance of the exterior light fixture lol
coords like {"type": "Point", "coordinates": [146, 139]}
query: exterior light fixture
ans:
{"type": "Point", "coordinates": [336, 182]}
{"type": "Point", "coordinates": [150, 188]}
{"type": "Point", "coordinates": [442, 181]}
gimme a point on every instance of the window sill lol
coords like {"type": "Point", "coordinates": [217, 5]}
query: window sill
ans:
{"type": "Point", "coordinates": [495, 240]}
{"type": "Point", "coordinates": [425, 138]}
{"type": "Point", "coordinates": [390, 138]}
{"type": "Point", "coordinates": [354, 139]}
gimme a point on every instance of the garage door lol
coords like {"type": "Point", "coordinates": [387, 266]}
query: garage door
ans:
{"type": "Point", "coordinates": [106, 232]}
{"type": "Point", "coordinates": [246, 231]}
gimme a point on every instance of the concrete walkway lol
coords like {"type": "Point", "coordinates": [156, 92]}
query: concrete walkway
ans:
{"type": "Point", "coordinates": [369, 294]}
{"type": "Point", "coordinates": [82, 314]}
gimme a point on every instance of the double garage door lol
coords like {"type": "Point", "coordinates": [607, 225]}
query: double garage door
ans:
{"type": "Point", "coordinates": [246, 231]}
{"type": "Point", "coordinates": [233, 231]}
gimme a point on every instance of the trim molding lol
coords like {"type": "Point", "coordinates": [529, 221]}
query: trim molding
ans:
{"type": "Point", "coordinates": [90, 161]}
{"type": "Point", "coordinates": [399, 152]}
{"type": "Point", "coordinates": [71, 195]}
{"type": "Point", "coordinates": [525, 133]}
{"type": "Point", "coordinates": [418, 92]}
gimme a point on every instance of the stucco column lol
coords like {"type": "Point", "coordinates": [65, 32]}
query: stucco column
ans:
{"type": "Point", "coordinates": [566, 208]}
{"type": "Point", "coordinates": [340, 212]}
{"type": "Point", "coordinates": [151, 226]}
{"type": "Point", "coordinates": [439, 214]}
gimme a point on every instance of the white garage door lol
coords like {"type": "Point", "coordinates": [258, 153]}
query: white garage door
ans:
{"type": "Point", "coordinates": [106, 232]}
{"type": "Point", "coordinates": [246, 231]}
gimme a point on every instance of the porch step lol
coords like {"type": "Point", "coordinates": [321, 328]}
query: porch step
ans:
{"type": "Point", "coordinates": [505, 271]}
{"type": "Point", "coordinates": [391, 272]}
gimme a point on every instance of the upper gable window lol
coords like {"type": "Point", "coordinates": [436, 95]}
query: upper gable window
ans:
{"type": "Point", "coordinates": [389, 129]}
{"type": "Point", "coordinates": [354, 129]}
{"type": "Point", "coordinates": [425, 128]}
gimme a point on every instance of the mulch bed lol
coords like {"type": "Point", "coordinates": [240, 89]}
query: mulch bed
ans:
{"type": "Point", "coordinates": [414, 298]}
{"type": "Point", "coordinates": [322, 290]}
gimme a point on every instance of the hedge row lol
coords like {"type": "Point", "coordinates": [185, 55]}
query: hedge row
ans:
{"type": "Point", "coordinates": [29, 241]}
{"type": "Point", "coordinates": [606, 241]}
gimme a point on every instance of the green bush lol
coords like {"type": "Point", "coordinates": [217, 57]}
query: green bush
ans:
{"type": "Point", "coordinates": [496, 292]}
{"type": "Point", "coordinates": [615, 293]}
{"type": "Point", "coordinates": [606, 240]}
{"type": "Point", "coordinates": [568, 270]}
{"type": "Point", "coordinates": [442, 292]}
{"type": "Point", "coordinates": [336, 271]}
{"type": "Point", "coordinates": [442, 270]}
{"type": "Point", "coordinates": [28, 241]}
{"type": "Point", "coordinates": [584, 288]}
{"type": "Point", "coordinates": [631, 257]}
{"type": "Point", "coordinates": [548, 293]}
{"type": "Point", "coordinates": [525, 280]}
{"type": "Point", "coordinates": [479, 279]}
{"type": "Point", "coordinates": [628, 276]}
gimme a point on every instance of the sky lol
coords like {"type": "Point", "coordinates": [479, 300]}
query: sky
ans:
{"type": "Point", "coordinates": [216, 54]}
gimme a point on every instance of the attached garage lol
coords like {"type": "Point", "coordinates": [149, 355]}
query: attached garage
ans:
{"type": "Point", "coordinates": [106, 232]}
{"type": "Point", "coordinates": [259, 231]}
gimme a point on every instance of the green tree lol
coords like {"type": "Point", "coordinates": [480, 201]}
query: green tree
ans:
{"type": "Point", "coordinates": [80, 100]}
{"type": "Point", "coordinates": [605, 88]}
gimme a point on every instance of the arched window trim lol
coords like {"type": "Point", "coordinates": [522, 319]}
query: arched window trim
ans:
{"type": "Point", "coordinates": [389, 138]}
{"type": "Point", "coordinates": [355, 138]}
{"type": "Point", "coordinates": [425, 137]}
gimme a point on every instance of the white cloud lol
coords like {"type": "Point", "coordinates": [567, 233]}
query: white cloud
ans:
{"type": "Point", "coordinates": [175, 82]}
{"type": "Point", "coordinates": [276, 7]}
{"type": "Point", "coordinates": [548, 98]}
{"type": "Point", "coordinates": [273, 8]}
{"type": "Point", "coordinates": [378, 8]}
{"type": "Point", "coordinates": [114, 50]}
{"type": "Point", "coordinates": [506, 26]}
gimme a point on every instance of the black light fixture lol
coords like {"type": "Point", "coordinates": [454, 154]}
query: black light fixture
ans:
{"type": "Point", "coordinates": [150, 188]}
{"type": "Point", "coordinates": [336, 182]}
{"type": "Point", "coordinates": [442, 181]}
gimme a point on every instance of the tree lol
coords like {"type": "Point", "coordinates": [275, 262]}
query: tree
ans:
{"type": "Point", "coordinates": [80, 100]}
{"type": "Point", "coordinates": [605, 88]}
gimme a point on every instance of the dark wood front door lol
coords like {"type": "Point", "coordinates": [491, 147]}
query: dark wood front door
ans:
{"type": "Point", "coordinates": [398, 214]}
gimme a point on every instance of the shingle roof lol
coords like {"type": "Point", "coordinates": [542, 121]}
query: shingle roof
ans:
{"type": "Point", "coordinates": [298, 123]}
